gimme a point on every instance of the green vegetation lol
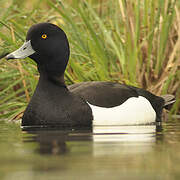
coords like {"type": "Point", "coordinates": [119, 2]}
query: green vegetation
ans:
{"type": "Point", "coordinates": [134, 42]}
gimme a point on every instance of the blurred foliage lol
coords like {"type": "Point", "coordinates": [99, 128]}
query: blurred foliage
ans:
{"type": "Point", "coordinates": [133, 42]}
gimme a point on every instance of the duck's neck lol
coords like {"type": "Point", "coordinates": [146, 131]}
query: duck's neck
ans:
{"type": "Point", "coordinates": [52, 69]}
{"type": "Point", "coordinates": [55, 80]}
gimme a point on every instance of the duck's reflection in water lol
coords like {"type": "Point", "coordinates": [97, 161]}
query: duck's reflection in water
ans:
{"type": "Point", "coordinates": [124, 139]}
{"type": "Point", "coordinates": [55, 141]}
{"type": "Point", "coordinates": [98, 141]}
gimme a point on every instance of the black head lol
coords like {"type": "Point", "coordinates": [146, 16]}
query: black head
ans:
{"type": "Point", "coordinates": [48, 46]}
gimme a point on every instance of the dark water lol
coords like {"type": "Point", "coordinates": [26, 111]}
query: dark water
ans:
{"type": "Point", "coordinates": [118, 152]}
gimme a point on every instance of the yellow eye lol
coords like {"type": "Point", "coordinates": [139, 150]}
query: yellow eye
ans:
{"type": "Point", "coordinates": [44, 36]}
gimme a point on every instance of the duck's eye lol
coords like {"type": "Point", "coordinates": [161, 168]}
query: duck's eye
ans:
{"type": "Point", "coordinates": [44, 36]}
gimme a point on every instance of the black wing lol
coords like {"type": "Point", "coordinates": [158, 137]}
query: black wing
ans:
{"type": "Point", "coordinates": [103, 94]}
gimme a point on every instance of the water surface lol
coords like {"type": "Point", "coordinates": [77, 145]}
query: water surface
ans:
{"type": "Point", "coordinates": [116, 152]}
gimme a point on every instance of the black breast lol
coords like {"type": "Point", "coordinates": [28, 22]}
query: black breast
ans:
{"type": "Point", "coordinates": [55, 105]}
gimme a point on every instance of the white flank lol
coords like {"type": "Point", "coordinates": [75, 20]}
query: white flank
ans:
{"type": "Point", "coordinates": [136, 110]}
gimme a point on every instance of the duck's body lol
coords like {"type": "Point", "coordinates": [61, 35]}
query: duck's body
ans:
{"type": "Point", "coordinates": [82, 104]}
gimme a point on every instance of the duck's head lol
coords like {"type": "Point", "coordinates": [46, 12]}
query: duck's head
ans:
{"type": "Point", "coordinates": [48, 46]}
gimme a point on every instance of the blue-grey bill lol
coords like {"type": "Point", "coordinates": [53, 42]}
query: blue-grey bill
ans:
{"type": "Point", "coordinates": [24, 51]}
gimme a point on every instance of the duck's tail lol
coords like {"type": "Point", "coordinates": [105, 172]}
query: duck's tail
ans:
{"type": "Point", "coordinates": [169, 99]}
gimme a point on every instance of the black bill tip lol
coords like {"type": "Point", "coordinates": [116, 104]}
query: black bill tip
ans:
{"type": "Point", "coordinates": [3, 55]}
{"type": "Point", "coordinates": [10, 56]}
